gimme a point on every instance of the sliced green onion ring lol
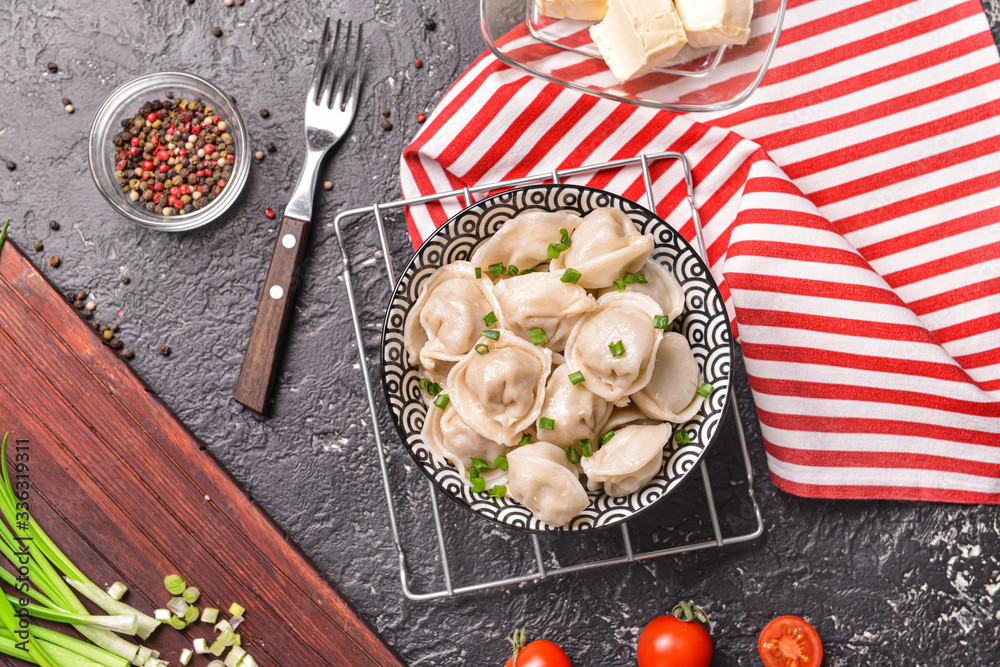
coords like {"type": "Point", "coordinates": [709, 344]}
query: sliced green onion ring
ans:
{"type": "Point", "coordinates": [492, 334]}
{"type": "Point", "coordinates": [619, 285]}
{"type": "Point", "coordinates": [660, 321]}
{"type": "Point", "coordinates": [490, 318]}
{"type": "Point", "coordinates": [546, 423]}
{"type": "Point", "coordinates": [576, 377]}
{"type": "Point", "coordinates": [571, 276]}
{"type": "Point", "coordinates": [607, 436]}
{"type": "Point", "coordinates": [482, 348]}
{"type": "Point", "coordinates": [572, 455]}
{"type": "Point", "coordinates": [442, 401]}
{"type": "Point", "coordinates": [478, 485]}
{"type": "Point", "coordinates": [538, 337]}
{"type": "Point", "coordinates": [525, 440]}
{"type": "Point", "coordinates": [705, 390]}
{"type": "Point", "coordinates": [500, 462]}
{"type": "Point", "coordinates": [586, 448]}
{"type": "Point", "coordinates": [682, 437]}
{"type": "Point", "coordinates": [617, 348]}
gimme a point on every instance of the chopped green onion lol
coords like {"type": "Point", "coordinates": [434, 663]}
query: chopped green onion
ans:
{"type": "Point", "coordinates": [705, 389]}
{"type": "Point", "coordinates": [682, 437]}
{"type": "Point", "coordinates": [565, 239]}
{"type": "Point", "coordinates": [479, 272]}
{"type": "Point", "coordinates": [527, 271]}
{"type": "Point", "coordinates": [209, 615]}
{"type": "Point", "coordinates": [546, 423]}
{"type": "Point", "coordinates": [586, 448]}
{"type": "Point", "coordinates": [442, 401]}
{"type": "Point", "coordinates": [525, 440]}
{"type": "Point", "coordinates": [482, 348]}
{"type": "Point", "coordinates": [629, 278]}
{"type": "Point", "coordinates": [177, 623]}
{"type": "Point", "coordinates": [191, 615]}
{"type": "Point", "coordinates": [572, 455]}
{"type": "Point", "coordinates": [474, 473]}
{"type": "Point", "coordinates": [237, 639]}
{"type": "Point", "coordinates": [555, 249]}
{"type": "Point", "coordinates": [186, 656]}
{"type": "Point", "coordinates": [432, 388]}
{"type": "Point", "coordinates": [498, 491]}
{"type": "Point", "coordinates": [162, 615]}
{"type": "Point", "coordinates": [607, 436]}
{"type": "Point", "coordinates": [226, 637]}
{"type": "Point", "coordinates": [512, 270]}
{"type": "Point", "coordinates": [571, 276]}
{"type": "Point", "coordinates": [491, 333]}
{"type": "Point", "coordinates": [200, 645]}
{"type": "Point", "coordinates": [576, 377]}
{"type": "Point", "coordinates": [478, 485]}
{"type": "Point", "coordinates": [640, 278]}
{"type": "Point", "coordinates": [538, 336]}
{"type": "Point", "coordinates": [235, 621]}
{"type": "Point", "coordinates": [174, 583]}
{"type": "Point", "coordinates": [234, 657]}
{"type": "Point", "coordinates": [479, 464]}
{"type": "Point", "coordinates": [222, 626]}
{"type": "Point", "coordinates": [500, 462]}
{"type": "Point", "coordinates": [177, 606]}
{"type": "Point", "coordinates": [497, 269]}
{"type": "Point", "coordinates": [117, 590]}
{"type": "Point", "coordinates": [217, 648]}
{"type": "Point", "coordinates": [660, 321]}
{"type": "Point", "coordinates": [490, 318]}
{"type": "Point", "coordinates": [619, 285]}
{"type": "Point", "coordinates": [215, 663]}
{"type": "Point", "coordinates": [617, 348]}
{"type": "Point", "coordinates": [191, 594]}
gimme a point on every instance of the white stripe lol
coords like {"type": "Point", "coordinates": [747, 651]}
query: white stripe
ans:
{"type": "Point", "coordinates": [891, 477]}
{"type": "Point", "coordinates": [883, 442]}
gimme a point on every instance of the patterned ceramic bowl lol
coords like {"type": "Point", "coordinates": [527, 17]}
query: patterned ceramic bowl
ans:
{"type": "Point", "coordinates": [704, 323]}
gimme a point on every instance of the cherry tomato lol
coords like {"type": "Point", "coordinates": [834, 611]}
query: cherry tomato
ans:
{"type": "Point", "coordinates": [539, 653]}
{"type": "Point", "coordinates": [667, 641]}
{"type": "Point", "coordinates": [789, 641]}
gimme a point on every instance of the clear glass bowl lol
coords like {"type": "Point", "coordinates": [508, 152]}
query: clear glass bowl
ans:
{"type": "Point", "coordinates": [124, 102]}
{"type": "Point", "coordinates": [561, 51]}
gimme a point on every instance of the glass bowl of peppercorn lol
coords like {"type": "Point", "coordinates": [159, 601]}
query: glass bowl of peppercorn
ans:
{"type": "Point", "coordinates": [169, 151]}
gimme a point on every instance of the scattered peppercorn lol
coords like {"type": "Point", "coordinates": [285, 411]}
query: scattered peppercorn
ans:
{"type": "Point", "coordinates": [108, 334]}
{"type": "Point", "coordinates": [328, 185]}
{"type": "Point", "coordinates": [38, 246]}
{"type": "Point", "coordinates": [70, 296]}
{"type": "Point", "coordinates": [169, 94]}
{"type": "Point", "coordinates": [91, 306]}
{"type": "Point", "coordinates": [128, 353]}
{"type": "Point", "coordinates": [78, 304]}
{"type": "Point", "coordinates": [52, 67]}
{"type": "Point", "coordinates": [115, 344]}
{"type": "Point", "coordinates": [217, 31]}
{"type": "Point", "coordinates": [95, 324]}
{"type": "Point", "coordinates": [385, 111]}
{"type": "Point", "coordinates": [80, 295]}
{"type": "Point", "coordinates": [66, 100]}
{"type": "Point", "coordinates": [53, 225]}
{"type": "Point", "coordinates": [239, 3]}
{"type": "Point", "coordinates": [420, 117]}
{"type": "Point", "coordinates": [54, 261]}
{"type": "Point", "coordinates": [418, 63]}
{"type": "Point", "coordinates": [165, 350]}
{"type": "Point", "coordinates": [269, 212]}
{"type": "Point", "coordinates": [114, 328]}
{"type": "Point", "coordinates": [69, 108]}
{"type": "Point", "coordinates": [264, 113]}
{"type": "Point", "coordinates": [259, 155]}
{"type": "Point", "coordinates": [104, 327]}
{"type": "Point", "coordinates": [190, 2]}
{"type": "Point", "coordinates": [227, 3]}
{"type": "Point", "coordinates": [271, 147]}
{"type": "Point", "coordinates": [386, 125]}
{"type": "Point", "coordinates": [126, 280]}
{"type": "Point", "coordinates": [430, 24]}
{"type": "Point", "coordinates": [10, 166]}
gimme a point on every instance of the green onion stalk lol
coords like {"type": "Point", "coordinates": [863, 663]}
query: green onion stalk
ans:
{"type": "Point", "coordinates": [54, 595]}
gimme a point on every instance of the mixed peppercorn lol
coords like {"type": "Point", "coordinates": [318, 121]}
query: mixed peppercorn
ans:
{"type": "Point", "coordinates": [174, 156]}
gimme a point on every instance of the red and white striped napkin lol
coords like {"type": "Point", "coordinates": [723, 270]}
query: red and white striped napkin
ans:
{"type": "Point", "coordinates": [852, 216]}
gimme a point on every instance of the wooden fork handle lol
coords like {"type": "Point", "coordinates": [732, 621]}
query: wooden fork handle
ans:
{"type": "Point", "coordinates": [260, 362]}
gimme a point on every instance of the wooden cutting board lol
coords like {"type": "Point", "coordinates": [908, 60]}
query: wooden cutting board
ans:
{"type": "Point", "coordinates": [131, 495]}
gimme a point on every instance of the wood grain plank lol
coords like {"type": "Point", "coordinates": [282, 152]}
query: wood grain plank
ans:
{"type": "Point", "coordinates": [184, 451]}
{"type": "Point", "coordinates": [151, 433]}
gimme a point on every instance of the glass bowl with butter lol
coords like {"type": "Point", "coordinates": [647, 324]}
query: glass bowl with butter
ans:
{"type": "Point", "coordinates": [680, 55]}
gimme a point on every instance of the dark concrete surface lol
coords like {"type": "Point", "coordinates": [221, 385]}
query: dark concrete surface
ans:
{"type": "Point", "coordinates": [884, 583]}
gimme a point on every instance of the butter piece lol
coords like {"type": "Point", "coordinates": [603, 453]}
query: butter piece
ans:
{"type": "Point", "coordinates": [638, 35]}
{"type": "Point", "coordinates": [715, 22]}
{"type": "Point", "coordinates": [587, 10]}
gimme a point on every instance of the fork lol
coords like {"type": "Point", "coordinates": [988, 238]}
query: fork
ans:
{"type": "Point", "coordinates": [330, 107]}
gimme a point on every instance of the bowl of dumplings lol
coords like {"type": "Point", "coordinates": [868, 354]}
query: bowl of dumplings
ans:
{"type": "Point", "coordinates": [556, 358]}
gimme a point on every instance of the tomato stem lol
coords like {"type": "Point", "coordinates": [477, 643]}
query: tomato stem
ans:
{"type": "Point", "coordinates": [517, 640]}
{"type": "Point", "coordinates": [687, 610]}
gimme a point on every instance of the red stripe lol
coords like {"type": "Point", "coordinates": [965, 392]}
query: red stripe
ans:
{"type": "Point", "coordinates": [834, 325]}
{"type": "Point", "coordinates": [807, 355]}
{"type": "Point", "coordinates": [968, 328]}
{"type": "Point", "coordinates": [826, 424]}
{"type": "Point", "coordinates": [478, 123]}
{"type": "Point", "coordinates": [848, 459]}
{"type": "Point", "coordinates": [799, 252]}
{"type": "Point", "coordinates": [930, 234]}
{"type": "Point", "coordinates": [839, 19]}
{"type": "Point", "coordinates": [566, 124]}
{"type": "Point", "coordinates": [817, 288]}
{"type": "Point", "coordinates": [889, 395]}
{"type": "Point", "coordinates": [957, 296]}
{"type": "Point", "coordinates": [857, 492]}
{"type": "Point", "coordinates": [943, 265]}
{"type": "Point", "coordinates": [980, 359]}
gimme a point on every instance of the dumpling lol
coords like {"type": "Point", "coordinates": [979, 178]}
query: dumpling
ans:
{"type": "Point", "coordinates": [524, 239]}
{"type": "Point", "coordinates": [576, 412]}
{"type": "Point", "coordinates": [604, 247]}
{"type": "Point", "coordinates": [500, 394]}
{"type": "Point", "coordinates": [541, 479]}
{"type": "Point", "coordinates": [628, 460]}
{"type": "Point", "coordinates": [445, 322]}
{"type": "Point", "coordinates": [715, 22]}
{"type": "Point", "coordinates": [542, 301]}
{"type": "Point", "coordinates": [661, 286]}
{"type": "Point", "coordinates": [670, 394]}
{"type": "Point", "coordinates": [621, 318]}
{"type": "Point", "coordinates": [627, 416]}
{"type": "Point", "coordinates": [450, 439]}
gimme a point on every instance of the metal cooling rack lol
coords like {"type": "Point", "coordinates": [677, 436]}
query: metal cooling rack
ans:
{"type": "Point", "coordinates": [630, 555]}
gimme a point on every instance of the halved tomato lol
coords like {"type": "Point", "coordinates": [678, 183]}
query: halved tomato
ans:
{"type": "Point", "coordinates": [789, 641]}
